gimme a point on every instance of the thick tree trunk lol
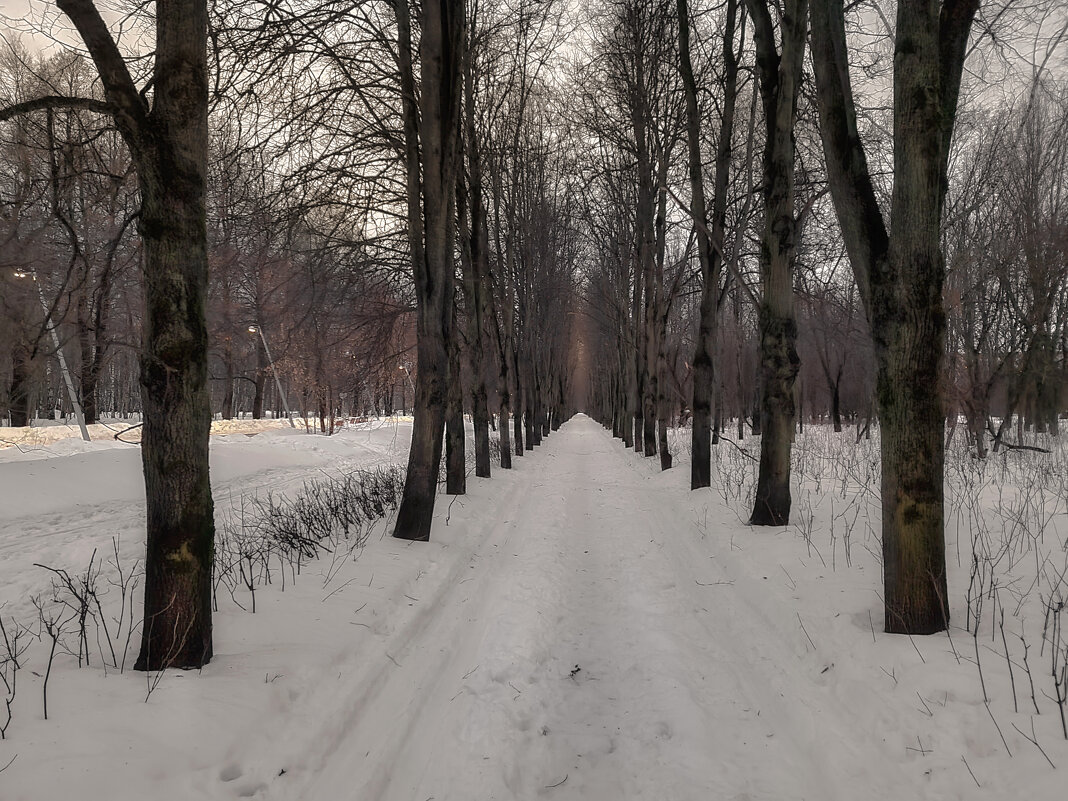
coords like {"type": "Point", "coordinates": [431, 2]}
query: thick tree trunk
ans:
{"type": "Point", "coordinates": [504, 395]}
{"type": "Point", "coordinates": [911, 347]}
{"type": "Point", "coordinates": [900, 275]}
{"type": "Point", "coordinates": [416, 512]}
{"type": "Point", "coordinates": [537, 409]}
{"type": "Point", "coordinates": [433, 145]}
{"type": "Point", "coordinates": [177, 629]}
{"type": "Point", "coordinates": [519, 402]}
{"type": "Point", "coordinates": [628, 392]}
{"type": "Point", "coordinates": [780, 77]}
{"type": "Point", "coordinates": [528, 409]}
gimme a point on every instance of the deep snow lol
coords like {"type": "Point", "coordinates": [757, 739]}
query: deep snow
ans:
{"type": "Point", "coordinates": [581, 627]}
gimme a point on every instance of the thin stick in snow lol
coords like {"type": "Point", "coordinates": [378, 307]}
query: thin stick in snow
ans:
{"type": "Point", "coordinates": [1033, 739]}
{"type": "Point", "coordinates": [806, 632]}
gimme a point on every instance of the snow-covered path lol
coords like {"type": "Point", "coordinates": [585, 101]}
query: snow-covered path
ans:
{"type": "Point", "coordinates": [587, 648]}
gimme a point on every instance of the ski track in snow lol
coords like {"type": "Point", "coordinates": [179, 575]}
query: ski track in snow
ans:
{"type": "Point", "coordinates": [564, 658]}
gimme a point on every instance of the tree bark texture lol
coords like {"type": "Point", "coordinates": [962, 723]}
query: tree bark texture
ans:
{"type": "Point", "coordinates": [900, 275]}
{"type": "Point", "coordinates": [708, 254]}
{"type": "Point", "coordinates": [432, 144]}
{"type": "Point", "coordinates": [780, 78]}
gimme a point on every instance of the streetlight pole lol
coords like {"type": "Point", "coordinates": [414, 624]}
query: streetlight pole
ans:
{"type": "Point", "coordinates": [255, 329]}
{"type": "Point", "coordinates": [78, 413]}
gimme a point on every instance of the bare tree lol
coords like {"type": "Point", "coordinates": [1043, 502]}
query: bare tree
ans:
{"type": "Point", "coordinates": [168, 141]}
{"type": "Point", "coordinates": [431, 133]}
{"type": "Point", "coordinates": [900, 272]}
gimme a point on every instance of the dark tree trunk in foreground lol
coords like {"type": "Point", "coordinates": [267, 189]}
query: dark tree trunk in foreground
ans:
{"type": "Point", "coordinates": [900, 274]}
{"type": "Point", "coordinates": [780, 81]}
{"type": "Point", "coordinates": [431, 142]}
{"type": "Point", "coordinates": [709, 253]}
{"type": "Point", "coordinates": [169, 146]}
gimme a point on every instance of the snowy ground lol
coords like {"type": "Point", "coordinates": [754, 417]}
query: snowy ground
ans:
{"type": "Point", "coordinates": [581, 627]}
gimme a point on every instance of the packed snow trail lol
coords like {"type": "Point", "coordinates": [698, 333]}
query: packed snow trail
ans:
{"type": "Point", "coordinates": [587, 649]}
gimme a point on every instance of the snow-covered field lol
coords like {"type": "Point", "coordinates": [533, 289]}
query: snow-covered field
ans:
{"type": "Point", "coordinates": [581, 627]}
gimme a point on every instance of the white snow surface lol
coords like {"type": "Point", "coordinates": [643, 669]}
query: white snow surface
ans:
{"type": "Point", "coordinates": [580, 627]}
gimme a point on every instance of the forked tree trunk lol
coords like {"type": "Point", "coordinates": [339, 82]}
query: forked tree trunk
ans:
{"type": "Point", "coordinates": [780, 79]}
{"type": "Point", "coordinates": [709, 253]}
{"type": "Point", "coordinates": [900, 275]}
{"type": "Point", "coordinates": [431, 143]}
{"type": "Point", "coordinates": [169, 145]}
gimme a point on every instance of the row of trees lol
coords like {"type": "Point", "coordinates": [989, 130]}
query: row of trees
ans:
{"type": "Point", "coordinates": [755, 243]}
{"type": "Point", "coordinates": [402, 187]}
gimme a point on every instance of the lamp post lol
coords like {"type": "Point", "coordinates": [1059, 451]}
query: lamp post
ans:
{"type": "Point", "coordinates": [78, 413]}
{"type": "Point", "coordinates": [255, 329]}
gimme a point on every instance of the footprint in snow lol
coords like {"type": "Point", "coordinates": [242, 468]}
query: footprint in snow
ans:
{"type": "Point", "coordinates": [230, 773]}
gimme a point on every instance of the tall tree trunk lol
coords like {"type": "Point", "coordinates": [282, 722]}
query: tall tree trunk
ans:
{"type": "Point", "coordinates": [474, 258]}
{"type": "Point", "coordinates": [169, 145]}
{"type": "Point", "coordinates": [780, 79]}
{"type": "Point", "coordinates": [709, 254]}
{"type": "Point", "coordinates": [900, 275]}
{"type": "Point", "coordinates": [431, 143]}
